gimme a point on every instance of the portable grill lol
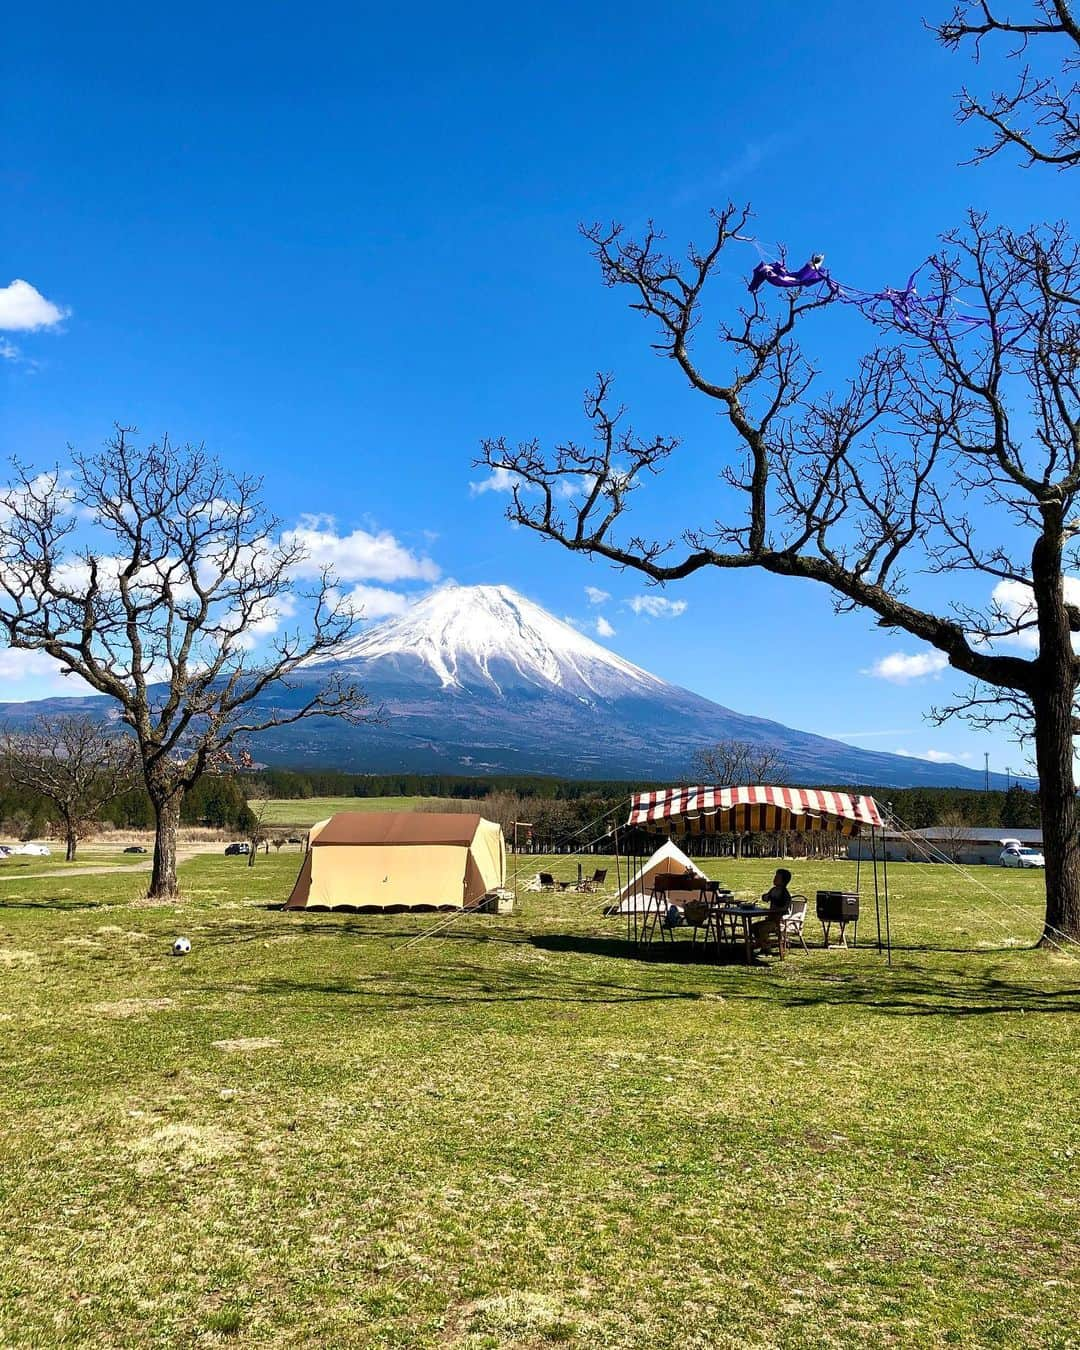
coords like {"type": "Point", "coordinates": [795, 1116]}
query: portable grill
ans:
{"type": "Point", "coordinates": [842, 908]}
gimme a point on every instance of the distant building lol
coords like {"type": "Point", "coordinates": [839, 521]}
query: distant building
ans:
{"type": "Point", "coordinates": [967, 844]}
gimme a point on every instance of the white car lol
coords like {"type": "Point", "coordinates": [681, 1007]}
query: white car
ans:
{"type": "Point", "coordinates": [1016, 855]}
{"type": "Point", "coordinates": [34, 850]}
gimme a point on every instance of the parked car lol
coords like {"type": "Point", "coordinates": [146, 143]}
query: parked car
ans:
{"type": "Point", "coordinates": [1016, 855]}
{"type": "Point", "coordinates": [294, 839]}
{"type": "Point", "coordinates": [231, 850]}
{"type": "Point", "coordinates": [135, 848]}
{"type": "Point", "coordinates": [34, 850]}
{"type": "Point", "coordinates": [5, 851]}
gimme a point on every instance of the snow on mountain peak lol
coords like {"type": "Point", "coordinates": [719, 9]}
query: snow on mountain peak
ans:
{"type": "Point", "coordinates": [491, 635]}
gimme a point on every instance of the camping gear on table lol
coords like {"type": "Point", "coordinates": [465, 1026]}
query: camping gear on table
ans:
{"type": "Point", "coordinates": [638, 894]}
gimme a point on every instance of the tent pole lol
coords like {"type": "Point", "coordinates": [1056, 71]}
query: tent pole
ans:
{"type": "Point", "coordinates": [618, 875]}
{"type": "Point", "coordinates": [885, 873]}
{"type": "Point", "coordinates": [634, 885]}
{"type": "Point", "coordinates": [877, 898]}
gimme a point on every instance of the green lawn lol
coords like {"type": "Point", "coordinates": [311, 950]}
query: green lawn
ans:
{"type": "Point", "coordinates": [305, 1134]}
{"type": "Point", "coordinates": [286, 811]}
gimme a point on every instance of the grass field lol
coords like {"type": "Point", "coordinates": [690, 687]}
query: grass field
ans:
{"type": "Point", "coordinates": [287, 811]}
{"type": "Point", "coordinates": [305, 1133]}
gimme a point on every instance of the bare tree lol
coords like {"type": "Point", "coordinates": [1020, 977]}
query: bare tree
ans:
{"type": "Point", "coordinates": [865, 489]}
{"type": "Point", "coordinates": [159, 579]}
{"type": "Point", "coordinates": [76, 763]}
{"type": "Point", "coordinates": [953, 832]}
{"type": "Point", "coordinates": [733, 762]}
{"type": "Point", "coordinates": [1040, 116]}
{"type": "Point", "coordinates": [256, 831]}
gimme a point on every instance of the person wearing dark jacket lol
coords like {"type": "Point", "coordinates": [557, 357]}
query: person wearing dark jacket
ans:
{"type": "Point", "coordinates": [778, 899]}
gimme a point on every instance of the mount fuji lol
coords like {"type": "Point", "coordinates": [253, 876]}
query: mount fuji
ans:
{"type": "Point", "coordinates": [480, 680]}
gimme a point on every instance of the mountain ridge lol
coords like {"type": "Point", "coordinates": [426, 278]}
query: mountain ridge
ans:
{"type": "Point", "coordinates": [483, 680]}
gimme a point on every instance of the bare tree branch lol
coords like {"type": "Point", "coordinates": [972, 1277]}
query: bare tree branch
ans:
{"type": "Point", "coordinates": [1040, 116]}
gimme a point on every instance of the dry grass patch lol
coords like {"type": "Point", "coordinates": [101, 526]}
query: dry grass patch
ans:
{"type": "Point", "coordinates": [245, 1043]}
{"type": "Point", "coordinates": [131, 1007]}
{"type": "Point", "coordinates": [18, 957]}
{"type": "Point", "coordinates": [182, 1147]}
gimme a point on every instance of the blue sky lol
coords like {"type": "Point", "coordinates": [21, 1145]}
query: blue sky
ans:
{"type": "Point", "coordinates": [338, 244]}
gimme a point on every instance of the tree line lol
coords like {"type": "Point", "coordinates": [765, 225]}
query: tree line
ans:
{"type": "Point", "coordinates": [71, 776]}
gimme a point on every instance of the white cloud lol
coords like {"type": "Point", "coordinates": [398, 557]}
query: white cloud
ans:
{"type": "Point", "coordinates": [499, 480]}
{"type": "Point", "coordinates": [574, 486]}
{"type": "Point", "coordinates": [375, 602]}
{"type": "Point", "coordinates": [603, 628]}
{"type": "Point", "coordinates": [657, 606]}
{"type": "Point", "coordinates": [1017, 604]}
{"type": "Point", "coordinates": [936, 756]}
{"type": "Point", "coordinates": [33, 675]}
{"type": "Point", "coordinates": [265, 620]}
{"type": "Point", "coordinates": [358, 556]}
{"type": "Point", "coordinates": [900, 668]}
{"type": "Point", "coordinates": [24, 309]}
{"type": "Point", "coordinates": [596, 596]}
{"type": "Point", "coordinates": [8, 350]}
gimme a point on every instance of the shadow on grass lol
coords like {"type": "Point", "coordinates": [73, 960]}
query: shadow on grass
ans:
{"type": "Point", "coordinates": [951, 990]}
{"type": "Point", "coordinates": [457, 985]}
{"type": "Point", "coordinates": [58, 902]}
{"type": "Point", "coordinates": [876, 988]}
{"type": "Point", "coordinates": [659, 953]}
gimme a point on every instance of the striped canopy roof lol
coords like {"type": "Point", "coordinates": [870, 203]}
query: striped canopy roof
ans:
{"type": "Point", "coordinates": [748, 810]}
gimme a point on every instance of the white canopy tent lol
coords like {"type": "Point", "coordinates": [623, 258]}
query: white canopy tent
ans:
{"type": "Point", "coordinates": [637, 894]}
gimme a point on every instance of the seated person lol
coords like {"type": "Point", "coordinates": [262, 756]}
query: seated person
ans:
{"type": "Point", "coordinates": [778, 899]}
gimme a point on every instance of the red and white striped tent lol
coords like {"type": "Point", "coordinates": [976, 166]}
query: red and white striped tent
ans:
{"type": "Point", "coordinates": [751, 810]}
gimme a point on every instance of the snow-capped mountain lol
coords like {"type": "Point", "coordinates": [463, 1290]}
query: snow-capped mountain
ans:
{"type": "Point", "coordinates": [491, 638]}
{"type": "Point", "coordinates": [478, 679]}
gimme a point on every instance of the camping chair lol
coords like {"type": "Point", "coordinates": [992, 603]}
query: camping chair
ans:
{"type": "Point", "coordinates": [547, 881]}
{"type": "Point", "coordinates": [787, 926]}
{"type": "Point", "coordinates": [791, 925]}
{"type": "Point", "coordinates": [591, 883]}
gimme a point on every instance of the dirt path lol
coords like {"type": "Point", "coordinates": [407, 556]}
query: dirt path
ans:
{"type": "Point", "coordinates": [79, 872]}
{"type": "Point", "coordinates": [183, 855]}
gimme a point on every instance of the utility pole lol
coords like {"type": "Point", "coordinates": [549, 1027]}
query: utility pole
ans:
{"type": "Point", "coordinates": [986, 775]}
{"type": "Point", "coordinates": [1008, 771]}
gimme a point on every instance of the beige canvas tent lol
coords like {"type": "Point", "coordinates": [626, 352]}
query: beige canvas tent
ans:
{"type": "Point", "coordinates": [381, 860]}
{"type": "Point", "coordinates": [638, 890]}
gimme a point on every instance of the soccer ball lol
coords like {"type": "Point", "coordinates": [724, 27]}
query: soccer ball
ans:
{"type": "Point", "coordinates": [181, 947]}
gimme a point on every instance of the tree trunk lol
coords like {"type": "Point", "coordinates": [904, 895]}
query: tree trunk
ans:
{"type": "Point", "coordinates": [1052, 705]}
{"type": "Point", "coordinates": [163, 883]}
{"type": "Point", "coordinates": [71, 838]}
{"type": "Point", "coordinates": [1060, 818]}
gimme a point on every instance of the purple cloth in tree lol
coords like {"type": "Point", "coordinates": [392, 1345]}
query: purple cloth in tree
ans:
{"type": "Point", "coordinates": [777, 274]}
{"type": "Point", "coordinates": [905, 308]}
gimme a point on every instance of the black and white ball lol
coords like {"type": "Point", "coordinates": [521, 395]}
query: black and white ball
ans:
{"type": "Point", "coordinates": [181, 947]}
